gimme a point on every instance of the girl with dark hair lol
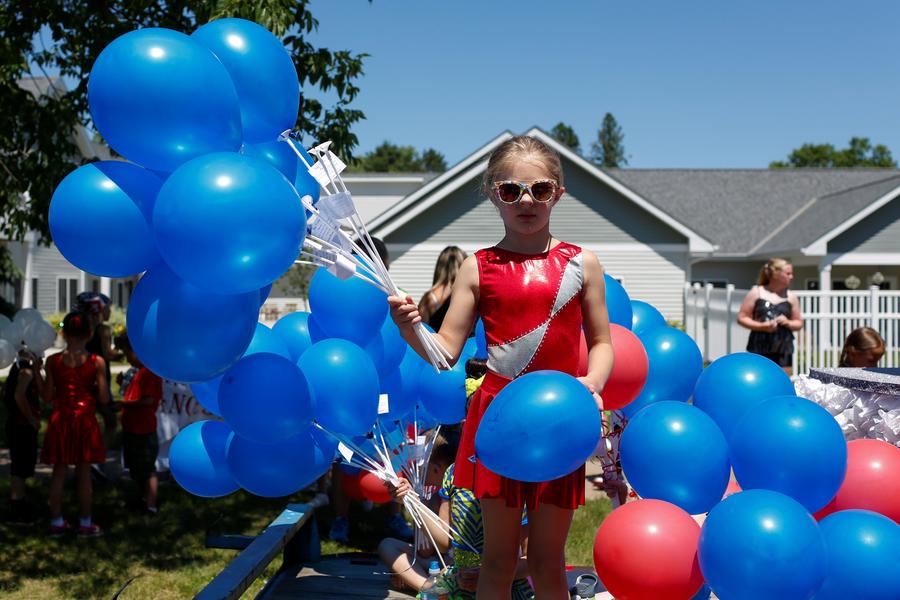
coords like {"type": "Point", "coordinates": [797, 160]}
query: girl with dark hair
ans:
{"type": "Point", "coordinates": [76, 381]}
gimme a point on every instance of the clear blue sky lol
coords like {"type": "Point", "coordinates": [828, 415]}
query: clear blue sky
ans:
{"type": "Point", "coordinates": [693, 83]}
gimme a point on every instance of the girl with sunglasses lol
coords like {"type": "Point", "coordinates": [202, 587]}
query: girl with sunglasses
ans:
{"type": "Point", "coordinates": [534, 294]}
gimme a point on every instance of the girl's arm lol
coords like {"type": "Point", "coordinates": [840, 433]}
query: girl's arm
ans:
{"type": "Point", "coordinates": [102, 383]}
{"type": "Point", "coordinates": [596, 325]}
{"type": "Point", "coordinates": [25, 376]}
{"type": "Point", "coordinates": [522, 566]}
{"type": "Point", "coordinates": [440, 537]}
{"type": "Point", "coordinates": [427, 305]}
{"type": "Point", "coordinates": [47, 390]}
{"type": "Point", "coordinates": [460, 316]}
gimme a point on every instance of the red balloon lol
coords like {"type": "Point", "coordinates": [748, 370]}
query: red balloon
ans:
{"type": "Point", "coordinates": [872, 481]}
{"type": "Point", "coordinates": [582, 356]}
{"type": "Point", "coordinates": [733, 488]}
{"type": "Point", "coordinates": [646, 550]}
{"type": "Point", "coordinates": [350, 485]}
{"type": "Point", "coordinates": [373, 488]}
{"type": "Point", "coordinates": [629, 372]}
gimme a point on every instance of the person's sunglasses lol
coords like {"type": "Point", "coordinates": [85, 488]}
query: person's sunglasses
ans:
{"type": "Point", "coordinates": [510, 192]}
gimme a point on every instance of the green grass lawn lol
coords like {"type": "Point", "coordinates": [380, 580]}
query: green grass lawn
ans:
{"type": "Point", "coordinates": [165, 555]}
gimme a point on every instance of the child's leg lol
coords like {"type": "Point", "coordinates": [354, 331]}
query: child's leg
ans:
{"type": "Point", "coordinates": [397, 555]}
{"type": "Point", "coordinates": [501, 549]}
{"type": "Point", "coordinates": [150, 489]}
{"type": "Point", "coordinates": [16, 488]}
{"type": "Point", "coordinates": [57, 481]}
{"type": "Point", "coordinates": [85, 489]}
{"type": "Point", "coordinates": [548, 528]}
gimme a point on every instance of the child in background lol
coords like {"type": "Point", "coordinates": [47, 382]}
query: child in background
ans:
{"type": "Point", "coordinates": [21, 396]}
{"type": "Point", "coordinates": [863, 348]}
{"type": "Point", "coordinates": [140, 444]}
{"type": "Point", "coordinates": [534, 294]}
{"type": "Point", "coordinates": [76, 382]}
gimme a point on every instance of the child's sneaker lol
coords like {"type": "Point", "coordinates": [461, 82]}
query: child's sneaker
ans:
{"type": "Point", "coordinates": [399, 528]}
{"type": "Point", "coordinates": [57, 531]}
{"type": "Point", "coordinates": [92, 530]}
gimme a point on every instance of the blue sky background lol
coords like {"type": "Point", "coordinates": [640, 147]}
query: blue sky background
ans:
{"type": "Point", "coordinates": [692, 83]}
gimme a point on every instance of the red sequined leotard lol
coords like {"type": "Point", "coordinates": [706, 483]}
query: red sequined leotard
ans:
{"type": "Point", "coordinates": [73, 435]}
{"type": "Point", "coordinates": [531, 308]}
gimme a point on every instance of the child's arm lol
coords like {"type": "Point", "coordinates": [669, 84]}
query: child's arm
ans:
{"type": "Point", "coordinates": [22, 382]}
{"type": "Point", "coordinates": [47, 390]}
{"type": "Point", "coordinates": [596, 325]}
{"type": "Point", "coordinates": [522, 566]}
{"type": "Point", "coordinates": [460, 316]}
{"type": "Point", "coordinates": [102, 383]}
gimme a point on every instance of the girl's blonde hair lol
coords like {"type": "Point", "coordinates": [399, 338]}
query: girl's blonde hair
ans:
{"type": "Point", "coordinates": [768, 269]}
{"type": "Point", "coordinates": [521, 147]}
{"type": "Point", "coordinates": [447, 267]}
{"type": "Point", "coordinates": [860, 340]}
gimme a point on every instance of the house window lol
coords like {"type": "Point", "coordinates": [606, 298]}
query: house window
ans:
{"type": "Point", "coordinates": [34, 292]}
{"type": "Point", "coordinates": [67, 292]}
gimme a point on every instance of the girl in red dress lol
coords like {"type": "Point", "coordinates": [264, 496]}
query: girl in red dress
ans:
{"type": "Point", "coordinates": [534, 293]}
{"type": "Point", "coordinates": [76, 380]}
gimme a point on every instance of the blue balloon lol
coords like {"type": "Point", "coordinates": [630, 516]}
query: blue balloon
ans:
{"type": "Point", "coordinates": [207, 394]}
{"type": "Point", "coordinates": [277, 154]}
{"type": "Point", "coordinates": [197, 459]}
{"type": "Point", "coordinates": [618, 304]}
{"type": "Point", "coordinates": [541, 426]}
{"type": "Point", "coordinates": [263, 74]}
{"type": "Point", "coordinates": [264, 340]}
{"type": "Point", "coordinates": [703, 593]}
{"type": "Point", "coordinates": [160, 98]}
{"type": "Point", "coordinates": [675, 364]}
{"type": "Point", "coordinates": [645, 316]}
{"type": "Point", "coordinates": [480, 340]}
{"type": "Point", "coordinates": [100, 218]}
{"type": "Point", "coordinates": [402, 385]}
{"type": "Point", "coordinates": [424, 420]}
{"type": "Point", "coordinates": [316, 333]}
{"type": "Point", "coordinates": [801, 452]}
{"type": "Point", "coordinates": [344, 385]}
{"type": "Point", "coordinates": [863, 556]}
{"type": "Point", "coordinates": [229, 223]}
{"type": "Point", "coordinates": [264, 294]}
{"type": "Point", "coordinates": [186, 333]}
{"type": "Point", "coordinates": [733, 384]}
{"type": "Point", "coordinates": [387, 348]}
{"type": "Point", "coordinates": [470, 348]}
{"type": "Point", "coordinates": [293, 329]}
{"type": "Point", "coordinates": [279, 469]}
{"type": "Point", "coordinates": [443, 394]}
{"type": "Point", "coordinates": [349, 309]}
{"type": "Point", "coordinates": [674, 452]}
{"type": "Point", "coordinates": [265, 398]}
{"type": "Point", "coordinates": [761, 544]}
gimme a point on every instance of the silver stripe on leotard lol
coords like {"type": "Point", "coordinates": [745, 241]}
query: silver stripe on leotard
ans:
{"type": "Point", "coordinates": [513, 357]}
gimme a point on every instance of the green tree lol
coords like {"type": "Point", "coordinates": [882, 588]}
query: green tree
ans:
{"type": "Point", "coordinates": [391, 158]}
{"type": "Point", "coordinates": [64, 38]}
{"type": "Point", "coordinates": [859, 153]}
{"type": "Point", "coordinates": [566, 136]}
{"type": "Point", "coordinates": [609, 149]}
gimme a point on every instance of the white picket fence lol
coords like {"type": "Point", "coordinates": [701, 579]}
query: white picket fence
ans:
{"type": "Point", "coordinates": [711, 319]}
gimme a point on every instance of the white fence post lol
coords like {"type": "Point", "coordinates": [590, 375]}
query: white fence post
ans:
{"type": "Point", "coordinates": [706, 298]}
{"type": "Point", "coordinates": [729, 316]}
{"type": "Point", "coordinates": [695, 289]}
{"type": "Point", "coordinates": [873, 306]}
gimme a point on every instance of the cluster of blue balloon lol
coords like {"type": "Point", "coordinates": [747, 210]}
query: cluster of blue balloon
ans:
{"type": "Point", "coordinates": [209, 204]}
{"type": "Point", "coordinates": [343, 365]}
{"type": "Point", "coordinates": [790, 456]}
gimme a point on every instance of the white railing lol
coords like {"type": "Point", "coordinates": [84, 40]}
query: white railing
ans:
{"type": "Point", "coordinates": [711, 319]}
{"type": "Point", "coordinates": [275, 308]}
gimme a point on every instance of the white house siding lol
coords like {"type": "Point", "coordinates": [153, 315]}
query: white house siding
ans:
{"type": "Point", "coordinates": [48, 267]}
{"type": "Point", "coordinates": [878, 233]}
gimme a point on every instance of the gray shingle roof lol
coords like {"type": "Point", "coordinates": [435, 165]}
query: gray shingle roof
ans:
{"type": "Point", "coordinates": [737, 209]}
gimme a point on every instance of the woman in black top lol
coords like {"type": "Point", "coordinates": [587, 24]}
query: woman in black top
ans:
{"type": "Point", "coordinates": [434, 304]}
{"type": "Point", "coordinates": [772, 314]}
